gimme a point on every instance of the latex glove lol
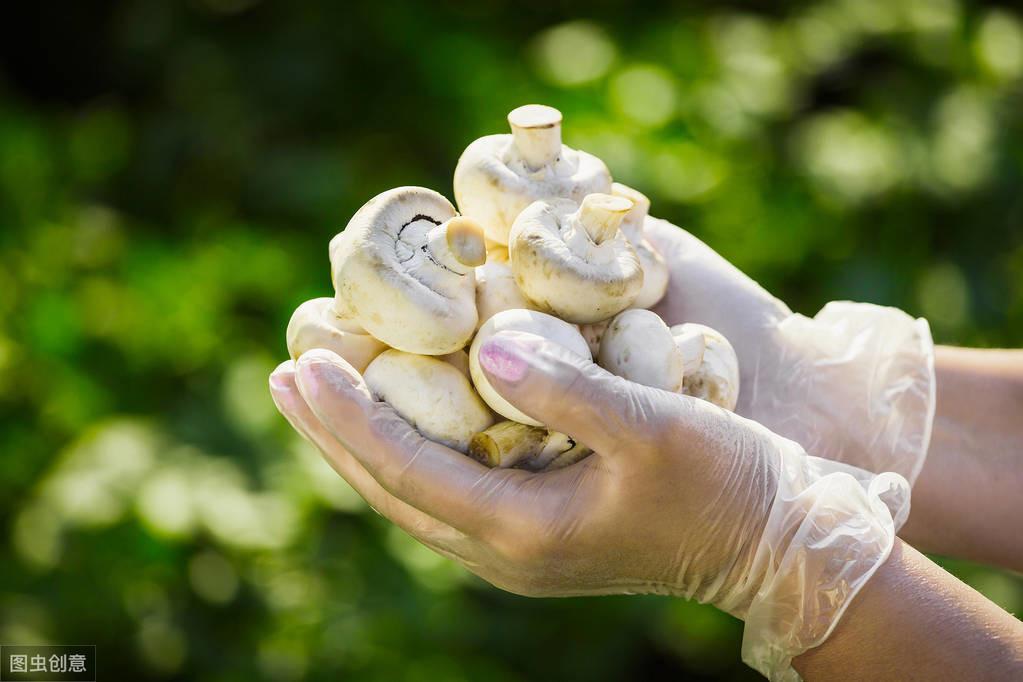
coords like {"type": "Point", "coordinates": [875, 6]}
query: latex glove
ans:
{"type": "Point", "coordinates": [680, 498]}
{"type": "Point", "coordinates": [853, 384]}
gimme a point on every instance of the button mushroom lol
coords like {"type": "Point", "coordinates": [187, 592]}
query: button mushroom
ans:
{"type": "Point", "coordinates": [638, 346]}
{"type": "Point", "coordinates": [496, 290]}
{"type": "Point", "coordinates": [572, 261]}
{"type": "Point", "coordinates": [655, 270]}
{"type": "Point", "coordinates": [687, 358]}
{"type": "Point", "coordinates": [430, 394]}
{"type": "Point", "coordinates": [403, 270]}
{"type": "Point", "coordinates": [316, 324]}
{"type": "Point", "coordinates": [529, 321]}
{"type": "Point", "coordinates": [499, 175]}
{"type": "Point", "coordinates": [594, 333]}
{"type": "Point", "coordinates": [716, 379]}
{"type": "Point", "coordinates": [510, 444]}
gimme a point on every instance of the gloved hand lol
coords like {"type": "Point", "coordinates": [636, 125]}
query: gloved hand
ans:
{"type": "Point", "coordinates": [680, 498]}
{"type": "Point", "coordinates": [853, 384]}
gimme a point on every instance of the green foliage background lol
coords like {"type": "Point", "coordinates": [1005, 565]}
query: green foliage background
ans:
{"type": "Point", "coordinates": [171, 173]}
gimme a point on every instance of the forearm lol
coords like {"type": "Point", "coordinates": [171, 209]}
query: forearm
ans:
{"type": "Point", "coordinates": [967, 501]}
{"type": "Point", "coordinates": [913, 620]}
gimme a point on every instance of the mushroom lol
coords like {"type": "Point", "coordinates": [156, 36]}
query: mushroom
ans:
{"type": "Point", "coordinates": [459, 360]}
{"type": "Point", "coordinates": [430, 394]}
{"type": "Point", "coordinates": [517, 320]}
{"type": "Point", "coordinates": [511, 444]}
{"type": "Point", "coordinates": [687, 358]}
{"type": "Point", "coordinates": [716, 379]}
{"type": "Point", "coordinates": [316, 324]}
{"type": "Point", "coordinates": [638, 346]}
{"type": "Point", "coordinates": [496, 290]}
{"type": "Point", "coordinates": [572, 261]}
{"type": "Point", "coordinates": [593, 333]}
{"type": "Point", "coordinates": [403, 269]}
{"type": "Point", "coordinates": [497, 176]}
{"type": "Point", "coordinates": [655, 269]}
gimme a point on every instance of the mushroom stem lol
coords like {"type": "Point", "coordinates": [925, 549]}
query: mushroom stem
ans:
{"type": "Point", "coordinates": [505, 444]}
{"type": "Point", "coordinates": [632, 224]}
{"type": "Point", "coordinates": [601, 215]}
{"type": "Point", "coordinates": [536, 130]}
{"type": "Point", "coordinates": [457, 244]}
{"type": "Point", "coordinates": [691, 343]}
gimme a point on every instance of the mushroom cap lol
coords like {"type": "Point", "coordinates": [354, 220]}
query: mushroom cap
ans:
{"type": "Point", "coordinates": [655, 275]}
{"type": "Point", "coordinates": [494, 181]}
{"type": "Point", "coordinates": [655, 269]}
{"type": "Point", "coordinates": [316, 324]}
{"type": "Point", "coordinates": [496, 290]}
{"type": "Point", "coordinates": [530, 321]}
{"type": "Point", "coordinates": [717, 379]}
{"type": "Point", "coordinates": [431, 395]}
{"type": "Point", "coordinates": [638, 346]}
{"type": "Point", "coordinates": [388, 280]}
{"type": "Point", "coordinates": [459, 360]}
{"type": "Point", "coordinates": [562, 270]}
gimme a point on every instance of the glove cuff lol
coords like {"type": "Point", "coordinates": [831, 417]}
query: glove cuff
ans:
{"type": "Point", "coordinates": [853, 384]}
{"type": "Point", "coordinates": [829, 529]}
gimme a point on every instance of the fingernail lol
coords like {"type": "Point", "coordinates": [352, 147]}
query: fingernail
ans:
{"type": "Point", "coordinates": [318, 369]}
{"type": "Point", "coordinates": [504, 358]}
{"type": "Point", "coordinates": [280, 377]}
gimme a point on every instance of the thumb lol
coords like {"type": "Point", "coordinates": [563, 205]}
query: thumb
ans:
{"type": "Point", "coordinates": [566, 392]}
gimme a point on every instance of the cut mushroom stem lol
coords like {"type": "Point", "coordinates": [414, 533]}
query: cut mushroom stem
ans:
{"type": "Point", "coordinates": [458, 244]}
{"type": "Point", "coordinates": [601, 215]}
{"type": "Point", "coordinates": [632, 224]}
{"type": "Point", "coordinates": [691, 343]}
{"type": "Point", "coordinates": [536, 130]}
{"type": "Point", "coordinates": [512, 445]}
{"type": "Point", "coordinates": [507, 443]}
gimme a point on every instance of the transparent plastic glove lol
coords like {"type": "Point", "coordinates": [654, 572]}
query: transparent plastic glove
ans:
{"type": "Point", "coordinates": [680, 498]}
{"type": "Point", "coordinates": [853, 384]}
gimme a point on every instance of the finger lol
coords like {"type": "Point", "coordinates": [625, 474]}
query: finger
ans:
{"type": "Point", "coordinates": [289, 401]}
{"type": "Point", "coordinates": [435, 479]}
{"type": "Point", "coordinates": [568, 393]}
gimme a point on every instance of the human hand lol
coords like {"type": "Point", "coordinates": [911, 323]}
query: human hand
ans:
{"type": "Point", "coordinates": [680, 497]}
{"type": "Point", "coordinates": [853, 384]}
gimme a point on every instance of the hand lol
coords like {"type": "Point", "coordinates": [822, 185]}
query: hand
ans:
{"type": "Point", "coordinates": [854, 384]}
{"type": "Point", "coordinates": [680, 497]}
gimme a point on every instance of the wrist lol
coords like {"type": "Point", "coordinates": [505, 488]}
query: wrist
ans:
{"type": "Point", "coordinates": [825, 536]}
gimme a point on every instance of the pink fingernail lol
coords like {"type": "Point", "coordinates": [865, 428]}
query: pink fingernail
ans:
{"type": "Point", "coordinates": [498, 359]}
{"type": "Point", "coordinates": [279, 382]}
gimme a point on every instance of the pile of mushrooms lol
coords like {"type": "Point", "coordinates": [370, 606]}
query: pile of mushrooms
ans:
{"type": "Point", "coordinates": [542, 242]}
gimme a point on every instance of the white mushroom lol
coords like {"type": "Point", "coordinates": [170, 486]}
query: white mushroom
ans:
{"type": "Point", "coordinates": [496, 290]}
{"type": "Point", "coordinates": [459, 360]}
{"type": "Point", "coordinates": [639, 347]}
{"type": "Point", "coordinates": [571, 260]}
{"type": "Point", "coordinates": [510, 444]}
{"type": "Point", "coordinates": [593, 333]}
{"type": "Point", "coordinates": [431, 395]}
{"type": "Point", "coordinates": [315, 324]}
{"type": "Point", "coordinates": [403, 269]}
{"type": "Point", "coordinates": [499, 175]}
{"type": "Point", "coordinates": [716, 380]}
{"type": "Point", "coordinates": [687, 358]}
{"type": "Point", "coordinates": [655, 269]}
{"type": "Point", "coordinates": [529, 321]}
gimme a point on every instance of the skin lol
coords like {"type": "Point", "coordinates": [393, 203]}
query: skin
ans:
{"type": "Point", "coordinates": [511, 527]}
{"type": "Point", "coordinates": [967, 501]}
{"type": "Point", "coordinates": [914, 621]}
